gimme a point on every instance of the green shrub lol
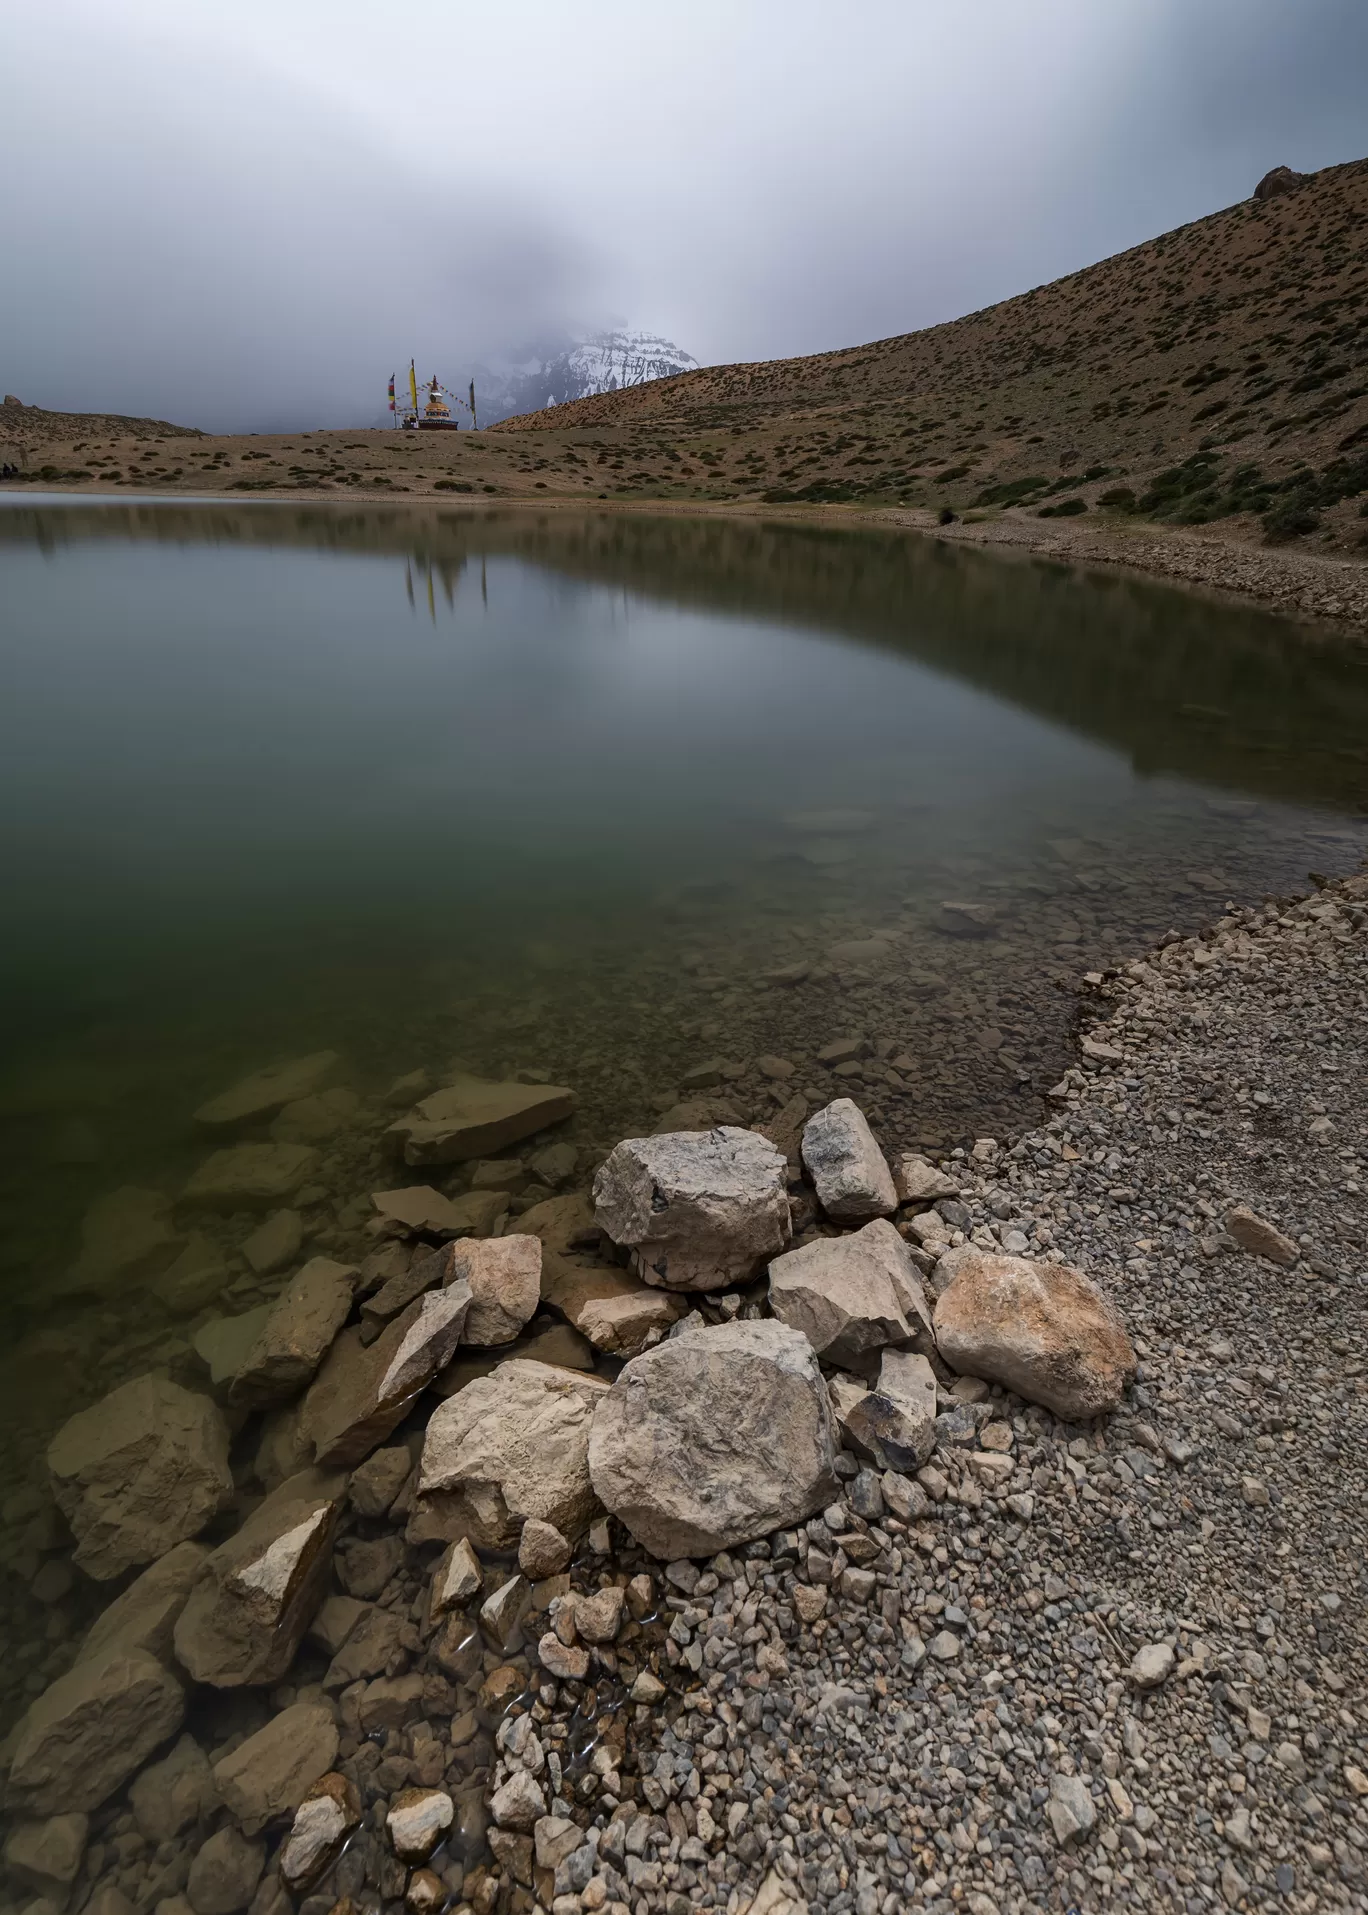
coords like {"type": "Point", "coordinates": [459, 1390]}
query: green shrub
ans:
{"type": "Point", "coordinates": [1009, 492]}
{"type": "Point", "coordinates": [1119, 497]}
{"type": "Point", "coordinates": [452, 485]}
{"type": "Point", "coordinates": [1066, 509]}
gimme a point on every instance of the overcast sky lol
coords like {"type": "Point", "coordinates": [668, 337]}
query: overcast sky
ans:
{"type": "Point", "coordinates": [248, 213]}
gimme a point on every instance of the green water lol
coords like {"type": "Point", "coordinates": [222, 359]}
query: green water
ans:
{"type": "Point", "coordinates": [544, 792]}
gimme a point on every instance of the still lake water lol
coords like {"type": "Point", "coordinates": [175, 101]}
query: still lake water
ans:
{"type": "Point", "coordinates": [600, 798]}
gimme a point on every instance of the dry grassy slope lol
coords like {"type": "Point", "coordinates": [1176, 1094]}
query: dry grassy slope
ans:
{"type": "Point", "coordinates": [1247, 328]}
{"type": "Point", "coordinates": [40, 428]}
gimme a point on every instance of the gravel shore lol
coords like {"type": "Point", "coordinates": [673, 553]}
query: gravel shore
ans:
{"type": "Point", "coordinates": [1132, 1672]}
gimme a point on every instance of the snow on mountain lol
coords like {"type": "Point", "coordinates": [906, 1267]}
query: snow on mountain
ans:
{"type": "Point", "coordinates": [552, 376]}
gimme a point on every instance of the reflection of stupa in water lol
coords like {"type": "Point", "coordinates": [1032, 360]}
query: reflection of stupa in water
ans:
{"type": "Point", "coordinates": [437, 413]}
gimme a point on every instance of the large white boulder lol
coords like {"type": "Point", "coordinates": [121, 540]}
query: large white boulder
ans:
{"type": "Point", "coordinates": [699, 1210]}
{"type": "Point", "coordinates": [1041, 1329]}
{"type": "Point", "coordinates": [715, 1437]}
{"type": "Point", "coordinates": [847, 1168]}
{"type": "Point", "coordinates": [850, 1296]}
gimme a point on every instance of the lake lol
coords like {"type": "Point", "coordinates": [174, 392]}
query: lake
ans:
{"type": "Point", "coordinates": [655, 808]}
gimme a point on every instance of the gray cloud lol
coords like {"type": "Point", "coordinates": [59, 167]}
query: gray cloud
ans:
{"type": "Point", "coordinates": [250, 216]}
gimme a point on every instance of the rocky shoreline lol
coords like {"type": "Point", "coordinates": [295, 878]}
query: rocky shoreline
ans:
{"type": "Point", "coordinates": [769, 1525]}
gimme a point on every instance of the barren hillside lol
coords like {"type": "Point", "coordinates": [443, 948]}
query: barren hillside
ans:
{"type": "Point", "coordinates": [1237, 342]}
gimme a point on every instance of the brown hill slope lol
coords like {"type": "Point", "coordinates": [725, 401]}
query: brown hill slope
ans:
{"type": "Point", "coordinates": [35, 427]}
{"type": "Point", "coordinates": [1239, 340]}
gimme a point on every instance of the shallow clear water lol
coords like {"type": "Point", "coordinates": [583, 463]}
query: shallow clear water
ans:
{"type": "Point", "coordinates": [555, 793]}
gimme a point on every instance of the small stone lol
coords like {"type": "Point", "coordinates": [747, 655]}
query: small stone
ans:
{"type": "Point", "coordinates": [1152, 1665]}
{"type": "Point", "coordinates": [519, 1804]}
{"type": "Point", "coordinates": [378, 1481]}
{"type": "Point", "coordinates": [566, 1662]}
{"type": "Point", "coordinates": [598, 1618]}
{"type": "Point", "coordinates": [168, 1796]}
{"type": "Point", "coordinates": [46, 1856]}
{"type": "Point", "coordinates": [1071, 1809]}
{"type": "Point", "coordinates": [1254, 1493]}
{"type": "Point", "coordinates": [501, 1614]}
{"type": "Point", "coordinates": [418, 1821]}
{"type": "Point", "coordinates": [274, 1244]}
{"type": "Point", "coordinates": [945, 1646]}
{"type": "Point", "coordinates": [321, 1825]}
{"type": "Point", "coordinates": [918, 1181]}
{"type": "Point", "coordinates": [224, 1873]}
{"type": "Point", "coordinates": [851, 1296]}
{"type": "Point", "coordinates": [144, 1616]}
{"type": "Point", "coordinates": [542, 1550]}
{"type": "Point", "coordinates": [473, 1118]}
{"type": "Point", "coordinates": [504, 1274]}
{"type": "Point", "coordinates": [647, 1688]}
{"type": "Point", "coordinates": [556, 1837]}
{"type": "Point", "coordinates": [251, 1176]}
{"type": "Point", "coordinates": [255, 1098]}
{"type": "Point", "coordinates": [1261, 1238]}
{"type": "Point", "coordinates": [297, 1334]}
{"type": "Point", "coordinates": [698, 1211]}
{"type": "Point", "coordinates": [457, 1577]}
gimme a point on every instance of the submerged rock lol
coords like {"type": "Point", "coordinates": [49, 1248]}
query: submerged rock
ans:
{"type": "Point", "coordinates": [510, 1445]}
{"type": "Point", "coordinates": [419, 1210]}
{"type": "Point", "coordinates": [251, 1176]}
{"type": "Point", "coordinates": [273, 1771]}
{"type": "Point", "coordinates": [847, 1168]}
{"type": "Point", "coordinates": [143, 1618]}
{"type": "Point", "coordinates": [850, 1296]}
{"type": "Point", "coordinates": [322, 1823]}
{"type": "Point", "coordinates": [297, 1334]}
{"type": "Point", "coordinates": [713, 1438]}
{"type": "Point", "coordinates": [474, 1118]}
{"type": "Point", "coordinates": [254, 1098]}
{"type": "Point", "coordinates": [126, 1237]}
{"type": "Point", "coordinates": [246, 1617]}
{"type": "Point", "coordinates": [46, 1855]}
{"type": "Point", "coordinates": [699, 1211]}
{"type": "Point", "coordinates": [1042, 1329]}
{"type": "Point", "coordinates": [276, 1243]}
{"type": "Point", "coordinates": [92, 1729]}
{"type": "Point", "coordinates": [364, 1390]}
{"type": "Point", "coordinates": [139, 1472]}
{"type": "Point", "coordinates": [615, 1311]}
{"type": "Point", "coordinates": [167, 1796]}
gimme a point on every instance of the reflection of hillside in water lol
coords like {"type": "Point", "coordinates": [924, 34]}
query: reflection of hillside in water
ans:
{"type": "Point", "coordinates": [1179, 683]}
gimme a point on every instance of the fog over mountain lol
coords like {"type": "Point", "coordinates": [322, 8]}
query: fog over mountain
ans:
{"type": "Point", "coordinates": [251, 216]}
{"type": "Point", "coordinates": [550, 374]}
